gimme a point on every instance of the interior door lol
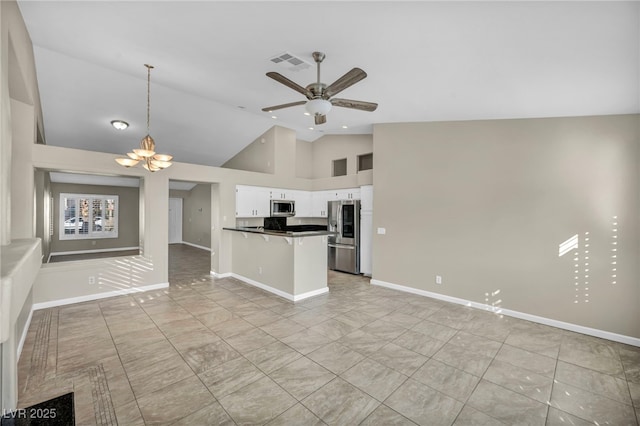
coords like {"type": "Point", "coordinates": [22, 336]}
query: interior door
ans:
{"type": "Point", "coordinates": [175, 220]}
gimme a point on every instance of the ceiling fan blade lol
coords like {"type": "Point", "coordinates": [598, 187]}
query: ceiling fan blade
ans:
{"type": "Point", "coordinates": [320, 119]}
{"type": "Point", "coordinates": [290, 104]}
{"type": "Point", "coordinates": [291, 84]}
{"type": "Point", "coordinates": [348, 103]}
{"type": "Point", "coordinates": [347, 80]}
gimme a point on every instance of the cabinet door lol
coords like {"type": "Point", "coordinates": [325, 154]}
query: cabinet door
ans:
{"type": "Point", "coordinates": [303, 203]}
{"type": "Point", "coordinates": [252, 201]}
{"type": "Point", "coordinates": [347, 194]}
{"type": "Point", "coordinates": [319, 201]}
{"type": "Point", "coordinates": [244, 201]}
{"type": "Point", "coordinates": [366, 240]}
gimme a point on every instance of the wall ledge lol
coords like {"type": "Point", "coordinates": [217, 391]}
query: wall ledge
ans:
{"type": "Point", "coordinates": [633, 341]}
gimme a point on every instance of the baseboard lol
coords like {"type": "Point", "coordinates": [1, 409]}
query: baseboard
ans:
{"type": "Point", "coordinates": [288, 296]}
{"type": "Point", "coordinates": [196, 246]}
{"type": "Point", "coordinates": [217, 275]}
{"type": "Point", "coordinates": [64, 253]}
{"type": "Point", "coordinates": [25, 330]}
{"type": "Point", "coordinates": [96, 296]}
{"type": "Point", "coordinates": [633, 341]}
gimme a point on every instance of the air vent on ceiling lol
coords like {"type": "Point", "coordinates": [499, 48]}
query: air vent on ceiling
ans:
{"type": "Point", "coordinates": [290, 61]}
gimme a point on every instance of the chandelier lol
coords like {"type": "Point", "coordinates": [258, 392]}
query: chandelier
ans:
{"type": "Point", "coordinates": [147, 151]}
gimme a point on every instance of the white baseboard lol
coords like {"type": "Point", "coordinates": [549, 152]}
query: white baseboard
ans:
{"type": "Point", "coordinates": [217, 275]}
{"type": "Point", "coordinates": [23, 337]}
{"type": "Point", "coordinates": [196, 246]}
{"type": "Point", "coordinates": [288, 296]}
{"type": "Point", "coordinates": [106, 250]}
{"type": "Point", "coordinates": [633, 341]}
{"type": "Point", "coordinates": [96, 296]}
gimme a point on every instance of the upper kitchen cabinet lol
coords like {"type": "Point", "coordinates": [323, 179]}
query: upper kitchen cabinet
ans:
{"type": "Point", "coordinates": [252, 201]}
{"type": "Point", "coordinates": [348, 194]}
{"type": "Point", "coordinates": [281, 194]}
{"type": "Point", "coordinates": [304, 206]}
{"type": "Point", "coordinates": [319, 200]}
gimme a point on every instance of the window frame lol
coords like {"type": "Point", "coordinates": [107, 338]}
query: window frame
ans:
{"type": "Point", "coordinates": [91, 234]}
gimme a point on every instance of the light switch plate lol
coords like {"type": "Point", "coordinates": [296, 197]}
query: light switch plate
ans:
{"type": "Point", "coordinates": [382, 231]}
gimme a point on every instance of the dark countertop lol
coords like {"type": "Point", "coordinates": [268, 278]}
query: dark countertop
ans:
{"type": "Point", "coordinates": [261, 230]}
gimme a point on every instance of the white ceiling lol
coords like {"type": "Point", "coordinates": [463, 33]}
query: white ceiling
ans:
{"type": "Point", "coordinates": [426, 61]}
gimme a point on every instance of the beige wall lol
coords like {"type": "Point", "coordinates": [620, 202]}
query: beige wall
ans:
{"type": "Point", "coordinates": [128, 218]}
{"type": "Point", "coordinates": [334, 147]}
{"type": "Point", "coordinates": [258, 156]}
{"type": "Point", "coordinates": [485, 204]}
{"type": "Point", "coordinates": [43, 209]}
{"type": "Point", "coordinates": [196, 216]}
{"type": "Point", "coordinates": [304, 159]}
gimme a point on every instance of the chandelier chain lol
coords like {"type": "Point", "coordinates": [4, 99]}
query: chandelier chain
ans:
{"type": "Point", "coordinates": [148, 94]}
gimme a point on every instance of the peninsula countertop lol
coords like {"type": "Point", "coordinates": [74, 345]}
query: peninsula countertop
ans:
{"type": "Point", "coordinates": [261, 230]}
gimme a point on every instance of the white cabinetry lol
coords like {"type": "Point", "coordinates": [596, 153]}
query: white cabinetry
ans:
{"type": "Point", "coordinates": [303, 203]}
{"type": "Point", "coordinates": [252, 201]}
{"type": "Point", "coordinates": [319, 200]}
{"type": "Point", "coordinates": [281, 194]}
{"type": "Point", "coordinates": [348, 194]}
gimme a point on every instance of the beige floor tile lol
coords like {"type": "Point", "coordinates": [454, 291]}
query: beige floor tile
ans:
{"type": "Point", "coordinates": [540, 364]}
{"type": "Point", "coordinates": [148, 378]}
{"type": "Point", "coordinates": [340, 403]}
{"type": "Point", "coordinates": [230, 377]}
{"type": "Point", "coordinates": [507, 406]}
{"type": "Point", "coordinates": [174, 402]}
{"type": "Point", "coordinates": [463, 359]}
{"type": "Point", "coordinates": [362, 342]}
{"type": "Point", "coordinates": [384, 415]}
{"type": "Point", "coordinates": [435, 330]}
{"type": "Point", "coordinates": [384, 330]}
{"type": "Point", "coordinates": [418, 342]}
{"type": "Point", "coordinates": [258, 403]}
{"type": "Point", "coordinates": [400, 359]}
{"type": "Point", "coordinates": [336, 357]}
{"type": "Point", "coordinates": [209, 355]}
{"type": "Point", "coordinates": [296, 415]}
{"type": "Point", "coordinates": [306, 341]}
{"type": "Point", "coordinates": [469, 416]}
{"type": "Point", "coordinates": [560, 418]}
{"type": "Point", "coordinates": [593, 381]}
{"type": "Point", "coordinates": [587, 359]}
{"type": "Point", "coordinates": [282, 328]}
{"type": "Point", "coordinates": [272, 357]}
{"type": "Point", "coordinates": [374, 378]}
{"type": "Point", "coordinates": [590, 406]}
{"type": "Point", "coordinates": [424, 405]}
{"type": "Point", "coordinates": [212, 414]}
{"type": "Point", "coordinates": [250, 340]}
{"type": "Point", "coordinates": [333, 329]}
{"type": "Point", "coordinates": [519, 380]}
{"type": "Point", "coordinates": [302, 377]}
{"type": "Point", "coordinates": [448, 380]}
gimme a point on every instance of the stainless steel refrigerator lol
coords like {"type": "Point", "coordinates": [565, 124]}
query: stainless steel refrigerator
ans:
{"type": "Point", "coordinates": [344, 247]}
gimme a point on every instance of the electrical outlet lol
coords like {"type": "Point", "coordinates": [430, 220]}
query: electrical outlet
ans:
{"type": "Point", "coordinates": [92, 280]}
{"type": "Point", "coordinates": [382, 231]}
{"type": "Point", "coordinates": [438, 279]}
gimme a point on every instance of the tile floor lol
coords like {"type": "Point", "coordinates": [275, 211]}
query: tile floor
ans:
{"type": "Point", "coordinates": [217, 351]}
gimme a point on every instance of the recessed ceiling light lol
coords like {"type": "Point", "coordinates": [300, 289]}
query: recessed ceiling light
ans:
{"type": "Point", "coordinates": [310, 128]}
{"type": "Point", "coordinates": [274, 117]}
{"type": "Point", "coordinates": [306, 113]}
{"type": "Point", "coordinates": [345, 127]}
{"type": "Point", "coordinates": [241, 107]}
{"type": "Point", "coordinates": [119, 124]}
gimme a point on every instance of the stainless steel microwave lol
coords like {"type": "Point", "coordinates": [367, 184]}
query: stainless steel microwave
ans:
{"type": "Point", "coordinates": [283, 208]}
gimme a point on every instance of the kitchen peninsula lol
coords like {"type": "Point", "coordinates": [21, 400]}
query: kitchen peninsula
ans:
{"type": "Point", "coordinates": [291, 264]}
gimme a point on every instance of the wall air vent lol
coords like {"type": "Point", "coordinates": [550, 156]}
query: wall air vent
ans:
{"type": "Point", "coordinates": [290, 61]}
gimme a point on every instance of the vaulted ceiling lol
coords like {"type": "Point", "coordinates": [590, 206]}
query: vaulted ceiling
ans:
{"type": "Point", "coordinates": [426, 61]}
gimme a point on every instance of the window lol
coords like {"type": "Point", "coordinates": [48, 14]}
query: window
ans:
{"type": "Point", "coordinates": [88, 216]}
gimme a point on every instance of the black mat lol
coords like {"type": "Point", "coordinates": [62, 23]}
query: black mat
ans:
{"type": "Point", "coordinates": [54, 412]}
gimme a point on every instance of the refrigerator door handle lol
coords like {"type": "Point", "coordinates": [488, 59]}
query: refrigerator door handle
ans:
{"type": "Point", "coordinates": [342, 246]}
{"type": "Point", "coordinates": [340, 221]}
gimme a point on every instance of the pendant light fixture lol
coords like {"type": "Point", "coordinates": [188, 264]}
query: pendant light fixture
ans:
{"type": "Point", "coordinates": [147, 151]}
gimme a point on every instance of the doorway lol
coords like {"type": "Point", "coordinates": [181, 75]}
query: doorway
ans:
{"type": "Point", "coordinates": [175, 220]}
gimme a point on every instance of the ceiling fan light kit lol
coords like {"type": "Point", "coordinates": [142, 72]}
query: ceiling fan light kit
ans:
{"type": "Point", "coordinates": [147, 151]}
{"type": "Point", "coordinates": [319, 95]}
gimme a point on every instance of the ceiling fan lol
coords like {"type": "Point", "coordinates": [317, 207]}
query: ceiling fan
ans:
{"type": "Point", "coordinates": [319, 95]}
